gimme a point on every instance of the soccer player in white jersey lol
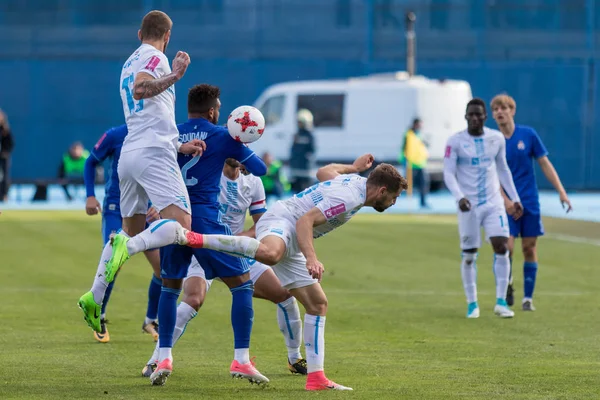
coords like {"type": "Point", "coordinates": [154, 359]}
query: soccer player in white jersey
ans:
{"type": "Point", "coordinates": [148, 168]}
{"type": "Point", "coordinates": [241, 192]}
{"type": "Point", "coordinates": [285, 241]}
{"type": "Point", "coordinates": [474, 167]}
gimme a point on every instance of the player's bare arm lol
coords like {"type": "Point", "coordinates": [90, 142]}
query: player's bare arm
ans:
{"type": "Point", "coordinates": [251, 232]}
{"type": "Point", "coordinates": [146, 85]}
{"type": "Point", "coordinates": [508, 205]}
{"type": "Point", "coordinates": [553, 178]}
{"type": "Point", "coordinates": [304, 235]}
{"type": "Point", "coordinates": [330, 171]}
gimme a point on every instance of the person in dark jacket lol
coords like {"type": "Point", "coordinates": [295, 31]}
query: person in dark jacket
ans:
{"type": "Point", "coordinates": [7, 145]}
{"type": "Point", "coordinates": [302, 153]}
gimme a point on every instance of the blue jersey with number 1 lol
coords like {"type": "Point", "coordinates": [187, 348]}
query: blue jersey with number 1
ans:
{"type": "Point", "coordinates": [202, 174]}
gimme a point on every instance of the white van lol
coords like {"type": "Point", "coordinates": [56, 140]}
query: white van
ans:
{"type": "Point", "coordinates": [365, 114]}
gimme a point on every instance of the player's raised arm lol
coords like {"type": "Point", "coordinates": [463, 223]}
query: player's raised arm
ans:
{"type": "Point", "coordinates": [450, 161]}
{"type": "Point", "coordinates": [146, 85]}
{"type": "Point", "coordinates": [304, 235]}
{"type": "Point", "coordinates": [330, 171]}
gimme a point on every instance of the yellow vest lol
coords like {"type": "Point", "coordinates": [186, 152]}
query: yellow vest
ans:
{"type": "Point", "coordinates": [415, 151]}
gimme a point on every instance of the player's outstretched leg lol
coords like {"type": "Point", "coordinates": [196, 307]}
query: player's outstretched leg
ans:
{"type": "Point", "coordinates": [238, 246]}
{"type": "Point", "coordinates": [468, 272]}
{"type": "Point", "coordinates": [502, 272]}
{"type": "Point", "coordinates": [158, 234]}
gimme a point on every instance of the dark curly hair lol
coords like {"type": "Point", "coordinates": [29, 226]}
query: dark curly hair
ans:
{"type": "Point", "coordinates": [477, 102]}
{"type": "Point", "coordinates": [202, 98]}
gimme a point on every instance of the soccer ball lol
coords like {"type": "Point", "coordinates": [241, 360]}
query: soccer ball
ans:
{"type": "Point", "coordinates": [246, 124]}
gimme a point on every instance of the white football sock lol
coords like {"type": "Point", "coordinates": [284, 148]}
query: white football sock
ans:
{"type": "Point", "coordinates": [502, 272]}
{"type": "Point", "coordinates": [468, 271]}
{"type": "Point", "coordinates": [290, 324]}
{"type": "Point", "coordinates": [158, 234]}
{"type": "Point", "coordinates": [165, 352]}
{"type": "Point", "coordinates": [100, 284]}
{"type": "Point", "coordinates": [314, 342]}
{"type": "Point", "coordinates": [242, 355]}
{"type": "Point", "coordinates": [239, 246]}
{"type": "Point", "coordinates": [185, 313]}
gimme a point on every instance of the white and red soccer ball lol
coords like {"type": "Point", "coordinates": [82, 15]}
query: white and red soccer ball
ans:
{"type": "Point", "coordinates": [246, 124]}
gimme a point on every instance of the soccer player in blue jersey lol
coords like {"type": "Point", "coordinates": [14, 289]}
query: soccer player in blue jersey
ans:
{"type": "Point", "coordinates": [202, 175]}
{"type": "Point", "coordinates": [109, 147]}
{"type": "Point", "coordinates": [523, 146]}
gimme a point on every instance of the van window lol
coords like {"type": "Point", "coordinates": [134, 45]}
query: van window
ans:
{"type": "Point", "coordinates": [327, 109]}
{"type": "Point", "coordinates": [272, 109]}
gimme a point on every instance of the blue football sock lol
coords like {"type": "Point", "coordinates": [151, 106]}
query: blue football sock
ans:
{"type": "Point", "coordinates": [529, 276]}
{"type": "Point", "coordinates": [153, 297]}
{"type": "Point", "coordinates": [109, 290]}
{"type": "Point", "coordinates": [167, 314]}
{"type": "Point", "coordinates": [242, 314]}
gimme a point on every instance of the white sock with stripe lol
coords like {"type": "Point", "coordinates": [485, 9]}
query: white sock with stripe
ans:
{"type": "Point", "coordinates": [290, 325]}
{"type": "Point", "coordinates": [314, 342]}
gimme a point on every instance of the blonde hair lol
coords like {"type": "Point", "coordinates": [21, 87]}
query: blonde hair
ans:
{"type": "Point", "coordinates": [503, 100]}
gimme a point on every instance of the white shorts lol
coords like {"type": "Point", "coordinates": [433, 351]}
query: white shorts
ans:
{"type": "Point", "coordinates": [489, 216]}
{"type": "Point", "coordinates": [150, 174]}
{"type": "Point", "coordinates": [291, 270]}
{"type": "Point", "coordinates": [195, 270]}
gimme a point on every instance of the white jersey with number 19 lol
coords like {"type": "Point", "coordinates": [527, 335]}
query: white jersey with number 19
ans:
{"type": "Point", "coordinates": [151, 121]}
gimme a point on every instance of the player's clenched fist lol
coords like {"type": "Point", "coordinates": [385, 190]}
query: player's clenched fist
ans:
{"type": "Point", "coordinates": [180, 63]}
{"type": "Point", "coordinates": [364, 162]}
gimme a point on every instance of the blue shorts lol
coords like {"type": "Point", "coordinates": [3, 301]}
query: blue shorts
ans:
{"type": "Point", "coordinates": [529, 225]}
{"type": "Point", "coordinates": [111, 223]}
{"type": "Point", "coordinates": [175, 259]}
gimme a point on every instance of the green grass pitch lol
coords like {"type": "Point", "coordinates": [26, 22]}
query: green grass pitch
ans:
{"type": "Point", "coordinates": [396, 326]}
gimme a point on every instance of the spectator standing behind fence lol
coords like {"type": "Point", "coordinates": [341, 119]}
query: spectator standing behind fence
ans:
{"type": "Point", "coordinates": [302, 153]}
{"type": "Point", "coordinates": [7, 145]}
{"type": "Point", "coordinates": [72, 166]}
{"type": "Point", "coordinates": [414, 154]}
{"type": "Point", "coordinates": [274, 181]}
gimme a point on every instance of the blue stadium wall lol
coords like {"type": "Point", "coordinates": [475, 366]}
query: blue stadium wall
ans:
{"type": "Point", "coordinates": [61, 59]}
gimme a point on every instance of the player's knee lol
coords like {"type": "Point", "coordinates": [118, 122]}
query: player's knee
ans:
{"type": "Point", "coordinates": [529, 250]}
{"type": "Point", "coordinates": [195, 300]}
{"type": "Point", "coordinates": [501, 248]}
{"type": "Point", "coordinates": [318, 308]}
{"type": "Point", "coordinates": [270, 256]}
{"type": "Point", "coordinates": [280, 296]}
{"type": "Point", "coordinates": [469, 257]}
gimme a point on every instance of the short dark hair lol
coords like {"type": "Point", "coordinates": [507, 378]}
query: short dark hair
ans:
{"type": "Point", "coordinates": [155, 25]}
{"type": "Point", "coordinates": [202, 98]}
{"type": "Point", "coordinates": [477, 102]}
{"type": "Point", "coordinates": [388, 176]}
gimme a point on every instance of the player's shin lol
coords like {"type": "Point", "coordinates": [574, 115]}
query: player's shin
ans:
{"type": "Point", "coordinates": [242, 315]}
{"type": "Point", "coordinates": [158, 234]}
{"type": "Point", "coordinates": [100, 285]}
{"type": "Point", "coordinates": [314, 342]}
{"type": "Point", "coordinates": [502, 273]}
{"type": "Point", "coordinates": [185, 313]}
{"type": "Point", "coordinates": [290, 324]}
{"type": "Point", "coordinates": [167, 314]}
{"type": "Point", "coordinates": [529, 277]}
{"type": "Point", "coordinates": [154, 291]}
{"type": "Point", "coordinates": [468, 271]}
{"type": "Point", "coordinates": [239, 246]}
